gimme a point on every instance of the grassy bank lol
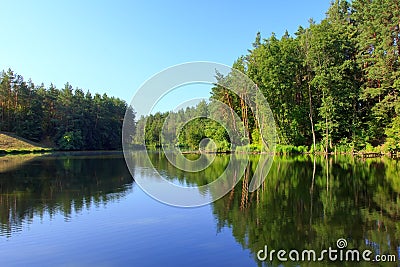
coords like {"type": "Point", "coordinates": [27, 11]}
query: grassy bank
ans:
{"type": "Point", "coordinates": [366, 151]}
{"type": "Point", "coordinates": [11, 143]}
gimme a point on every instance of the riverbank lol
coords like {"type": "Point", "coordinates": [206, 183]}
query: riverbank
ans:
{"type": "Point", "coordinates": [283, 150]}
{"type": "Point", "coordinates": [13, 144]}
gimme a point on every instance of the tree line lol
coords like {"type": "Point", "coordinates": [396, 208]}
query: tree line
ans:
{"type": "Point", "coordinates": [180, 129]}
{"type": "Point", "coordinates": [334, 85]}
{"type": "Point", "coordinates": [66, 119]}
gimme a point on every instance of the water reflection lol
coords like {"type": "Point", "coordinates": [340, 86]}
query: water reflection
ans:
{"type": "Point", "coordinates": [307, 206]}
{"type": "Point", "coordinates": [33, 186]}
{"type": "Point", "coordinates": [309, 203]}
{"type": "Point", "coordinates": [304, 203]}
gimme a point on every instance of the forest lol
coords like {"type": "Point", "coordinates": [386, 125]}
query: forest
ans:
{"type": "Point", "coordinates": [333, 86]}
{"type": "Point", "coordinates": [64, 119]}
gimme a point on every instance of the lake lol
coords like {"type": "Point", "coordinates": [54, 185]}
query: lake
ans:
{"type": "Point", "coordinates": [86, 210]}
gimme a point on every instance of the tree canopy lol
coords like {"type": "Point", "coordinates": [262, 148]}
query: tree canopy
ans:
{"type": "Point", "coordinates": [333, 85]}
{"type": "Point", "coordinates": [67, 118]}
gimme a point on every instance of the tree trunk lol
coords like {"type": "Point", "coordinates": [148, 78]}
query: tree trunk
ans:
{"type": "Point", "coordinates": [326, 127]}
{"type": "Point", "coordinates": [228, 99]}
{"type": "Point", "coordinates": [244, 111]}
{"type": "Point", "coordinates": [311, 116]}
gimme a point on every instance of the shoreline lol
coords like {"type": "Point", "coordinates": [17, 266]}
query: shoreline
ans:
{"type": "Point", "coordinates": [61, 152]}
{"type": "Point", "coordinates": [24, 151]}
{"type": "Point", "coordinates": [361, 154]}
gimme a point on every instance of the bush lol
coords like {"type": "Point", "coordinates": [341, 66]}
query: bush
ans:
{"type": "Point", "coordinates": [289, 149]}
{"type": "Point", "coordinates": [223, 146]}
{"type": "Point", "coordinates": [393, 136]}
{"type": "Point", "coordinates": [344, 147]}
{"type": "Point", "coordinates": [71, 140]}
{"type": "Point", "coordinates": [251, 148]}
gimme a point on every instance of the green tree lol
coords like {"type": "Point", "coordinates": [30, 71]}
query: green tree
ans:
{"type": "Point", "coordinates": [71, 140]}
{"type": "Point", "coordinates": [67, 118]}
{"type": "Point", "coordinates": [378, 56]}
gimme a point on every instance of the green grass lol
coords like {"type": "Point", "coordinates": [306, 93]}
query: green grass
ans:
{"type": "Point", "coordinates": [11, 143]}
{"type": "Point", "coordinates": [289, 149]}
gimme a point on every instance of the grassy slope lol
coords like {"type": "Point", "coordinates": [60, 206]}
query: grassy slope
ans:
{"type": "Point", "coordinates": [13, 143]}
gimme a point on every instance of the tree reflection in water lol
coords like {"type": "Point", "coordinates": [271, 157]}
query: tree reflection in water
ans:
{"type": "Point", "coordinates": [309, 202]}
{"type": "Point", "coordinates": [304, 203]}
{"type": "Point", "coordinates": [61, 184]}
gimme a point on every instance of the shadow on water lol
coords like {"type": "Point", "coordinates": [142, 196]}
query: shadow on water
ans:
{"type": "Point", "coordinates": [62, 183]}
{"type": "Point", "coordinates": [11, 162]}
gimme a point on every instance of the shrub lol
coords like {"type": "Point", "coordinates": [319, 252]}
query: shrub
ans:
{"type": "Point", "coordinates": [71, 140]}
{"type": "Point", "coordinates": [290, 149]}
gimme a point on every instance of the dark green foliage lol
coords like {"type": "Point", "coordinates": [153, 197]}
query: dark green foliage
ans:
{"type": "Point", "coordinates": [185, 128]}
{"type": "Point", "coordinates": [290, 149]}
{"type": "Point", "coordinates": [333, 87]}
{"type": "Point", "coordinates": [67, 119]}
{"type": "Point", "coordinates": [335, 84]}
{"type": "Point", "coordinates": [71, 141]}
{"type": "Point", "coordinates": [378, 29]}
{"type": "Point", "coordinates": [393, 136]}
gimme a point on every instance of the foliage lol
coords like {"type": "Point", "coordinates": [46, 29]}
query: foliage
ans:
{"type": "Point", "coordinates": [290, 149]}
{"type": "Point", "coordinates": [393, 135]}
{"type": "Point", "coordinates": [333, 86]}
{"type": "Point", "coordinates": [67, 118]}
{"type": "Point", "coordinates": [179, 129]}
{"type": "Point", "coordinates": [71, 141]}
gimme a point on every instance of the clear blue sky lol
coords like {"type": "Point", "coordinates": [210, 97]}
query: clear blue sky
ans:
{"type": "Point", "coordinates": [114, 46]}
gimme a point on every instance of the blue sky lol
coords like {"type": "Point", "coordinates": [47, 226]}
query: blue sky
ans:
{"type": "Point", "coordinates": [114, 46]}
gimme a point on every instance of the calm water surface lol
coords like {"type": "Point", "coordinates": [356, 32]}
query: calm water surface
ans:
{"type": "Point", "coordinates": [86, 210]}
